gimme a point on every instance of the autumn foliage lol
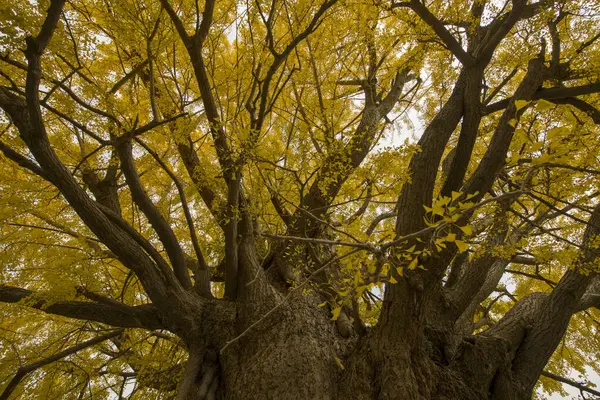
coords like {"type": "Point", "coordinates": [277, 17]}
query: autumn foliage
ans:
{"type": "Point", "coordinates": [297, 199]}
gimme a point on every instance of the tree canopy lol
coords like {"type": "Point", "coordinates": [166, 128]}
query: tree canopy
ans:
{"type": "Point", "coordinates": [401, 197]}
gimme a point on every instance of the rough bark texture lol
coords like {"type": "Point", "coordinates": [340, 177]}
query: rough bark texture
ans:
{"type": "Point", "coordinates": [268, 338]}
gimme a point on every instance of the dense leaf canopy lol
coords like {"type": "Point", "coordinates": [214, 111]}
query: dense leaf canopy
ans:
{"type": "Point", "coordinates": [362, 149]}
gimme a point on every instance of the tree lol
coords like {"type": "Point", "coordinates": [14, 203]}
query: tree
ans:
{"type": "Point", "coordinates": [198, 201]}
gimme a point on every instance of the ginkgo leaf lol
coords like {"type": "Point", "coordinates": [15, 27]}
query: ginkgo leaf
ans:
{"type": "Point", "coordinates": [543, 105]}
{"type": "Point", "coordinates": [556, 132]}
{"type": "Point", "coordinates": [513, 159]}
{"type": "Point", "coordinates": [571, 118]}
{"type": "Point", "coordinates": [521, 135]}
{"type": "Point", "coordinates": [536, 146]}
{"type": "Point", "coordinates": [261, 136]}
{"type": "Point", "coordinates": [462, 246]}
{"type": "Point", "coordinates": [336, 313]}
{"type": "Point", "coordinates": [438, 209]}
{"type": "Point", "coordinates": [413, 264]}
{"type": "Point", "coordinates": [519, 104]}
{"type": "Point", "coordinates": [466, 229]}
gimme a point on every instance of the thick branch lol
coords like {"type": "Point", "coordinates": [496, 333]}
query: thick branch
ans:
{"type": "Point", "coordinates": [157, 221]}
{"type": "Point", "coordinates": [121, 315]}
{"type": "Point", "coordinates": [439, 28]}
{"type": "Point", "coordinates": [552, 94]}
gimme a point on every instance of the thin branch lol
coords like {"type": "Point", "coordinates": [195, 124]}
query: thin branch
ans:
{"type": "Point", "coordinates": [570, 383]}
{"type": "Point", "coordinates": [23, 371]}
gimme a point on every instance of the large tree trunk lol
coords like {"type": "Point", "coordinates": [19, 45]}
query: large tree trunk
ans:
{"type": "Point", "coordinates": [289, 359]}
{"type": "Point", "coordinates": [291, 354]}
{"type": "Point", "coordinates": [296, 352]}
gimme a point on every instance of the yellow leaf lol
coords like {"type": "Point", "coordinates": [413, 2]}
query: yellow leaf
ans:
{"type": "Point", "coordinates": [392, 280]}
{"type": "Point", "coordinates": [462, 246]}
{"type": "Point", "coordinates": [543, 159]}
{"type": "Point", "coordinates": [400, 271]}
{"type": "Point", "coordinates": [520, 104]}
{"type": "Point", "coordinates": [339, 363]}
{"type": "Point", "coordinates": [513, 159]}
{"type": "Point", "coordinates": [336, 313]}
{"type": "Point", "coordinates": [323, 304]}
{"type": "Point", "coordinates": [470, 196]}
{"type": "Point", "coordinates": [513, 122]}
{"type": "Point", "coordinates": [360, 290]}
{"type": "Point", "coordinates": [555, 132]}
{"type": "Point", "coordinates": [413, 263]}
{"type": "Point", "coordinates": [543, 105]}
{"type": "Point", "coordinates": [451, 237]}
{"type": "Point", "coordinates": [521, 135]}
{"type": "Point", "coordinates": [456, 195]}
{"type": "Point", "coordinates": [536, 146]}
{"type": "Point", "coordinates": [438, 209]}
{"type": "Point", "coordinates": [466, 229]}
{"type": "Point", "coordinates": [444, 200]}
{"type": "Point", "coordinates": [570, 117]}
{"type": "Point", "coordinates": [357, 278]}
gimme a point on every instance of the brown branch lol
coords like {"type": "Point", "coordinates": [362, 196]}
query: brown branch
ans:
{"type": "Point", "coordinates": [551, 94]}
{"type": "Point", "coordinates": [538, 277]}
{"type": "Point", "coordinates": [377, 220]}
{"type": "Point", "coordinates": [23, 371]}
{"type": "Point", "coordinates": [143, 316]}
{"type": "Point", "coordinates": [364, 246]}
{"type": "Point", "coordinates": [27, 117]}
{"type": "Point", "coordinates": [23, 161]}
{"type": "Point", "coordinates": [202, 281]}
{"type": "Point", "coordinates": [136, 70]}
{"type": "Point", "coordinates": [158, 222]}
{"type": "Point", "coordinates": [451, 43]}
{"type": "Point", "coordinates": [570, 383]}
